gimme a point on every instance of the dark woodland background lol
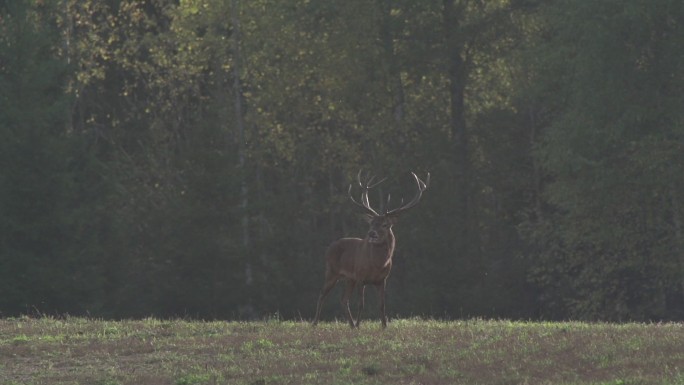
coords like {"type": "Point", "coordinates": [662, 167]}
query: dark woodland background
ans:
{"type": "Point", "coordinates": [191, 157]}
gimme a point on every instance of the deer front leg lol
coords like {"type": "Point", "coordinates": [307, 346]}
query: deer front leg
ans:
{"type": "Point", "coordinates": [381, 293]}
{"type": "Point", "coordinates": [362, 290]}
{"type": "Point", "coordinates": [345, 301]}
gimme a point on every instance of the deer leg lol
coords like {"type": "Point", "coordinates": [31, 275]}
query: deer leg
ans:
{"type": "Point", "coordinates": [362, 290]}
{"type": "Point", "coordinates": [381, 293]}
{"type": "Point", "coordinates": [345, 301]}
{"type": "Point", "coordinates": [327, 286]}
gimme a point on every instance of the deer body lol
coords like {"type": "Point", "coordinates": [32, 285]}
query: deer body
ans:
{"type": "Point", "coordinates": [366, 261]}
{"type": "Point", "coordinates": [359, 260]}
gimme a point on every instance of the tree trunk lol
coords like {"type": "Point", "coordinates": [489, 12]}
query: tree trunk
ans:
{"type": "Point", "coordinates": [458, 133]}
{"type": "Point", "coordinates": [394, 73]}
{"type": "Point", "coordinates": [248, 310]}
{"type": "Point", "coordinates": [678, 231]}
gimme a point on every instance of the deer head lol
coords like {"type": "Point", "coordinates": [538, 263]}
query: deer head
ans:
{"type": "Point", "coordinates": [381, 223]}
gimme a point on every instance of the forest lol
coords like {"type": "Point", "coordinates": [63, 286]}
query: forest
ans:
{"type": "Point", "coordinates": [191, 158]}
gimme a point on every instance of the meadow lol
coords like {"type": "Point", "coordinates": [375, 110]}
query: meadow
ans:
{"type": "Point", "coordinates": [412, 351]}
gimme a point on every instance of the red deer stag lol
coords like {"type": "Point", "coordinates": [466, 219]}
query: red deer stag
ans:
{"type": "Point", "coordinates": [361, 262]}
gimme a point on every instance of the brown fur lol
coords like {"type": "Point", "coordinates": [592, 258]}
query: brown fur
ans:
{"type": "Point", "coordinates": [367, 261]}
{"type": "Point", "coordinates": [360, 262]}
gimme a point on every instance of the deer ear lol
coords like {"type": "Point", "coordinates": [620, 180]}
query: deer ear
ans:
{"type": "Point", "coordinates": [367, 217]}
{"type": "Point", "coordinates": [393, 219]}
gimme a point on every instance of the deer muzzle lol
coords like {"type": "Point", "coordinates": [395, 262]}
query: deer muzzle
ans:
{"type": "Point", "coordinates": [373, 236]}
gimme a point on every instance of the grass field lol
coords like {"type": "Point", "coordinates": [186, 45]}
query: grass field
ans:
{"type": "Point", "coordinates": [176, 352]}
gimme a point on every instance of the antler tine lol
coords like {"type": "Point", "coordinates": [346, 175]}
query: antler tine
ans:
{"type": "Point", "coordinates": [368, 184]}
{"type": "Point", "coordinates": [358, 178]}
{"type": "Point", "coordinates": [364, 199]}
{"type": "Point", "coordinates": [365, 204]}
{"type": "Point", "coordinates": [422, 186]}
{"type": "Point", "coordinates": [376, 183]}
{"type": "Point", "coordinates": [427, 180]}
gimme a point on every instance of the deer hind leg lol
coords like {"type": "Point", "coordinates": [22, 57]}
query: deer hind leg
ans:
{"type": "Point", "coordinates": [345, 301]}
{"type": "Point", "coordinates": [330, 282]}
{"type": "Point", "coordinates": [362, 290]}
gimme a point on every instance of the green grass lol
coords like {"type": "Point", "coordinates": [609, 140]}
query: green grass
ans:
{"type": "Point", "coordinates": [175, 352]}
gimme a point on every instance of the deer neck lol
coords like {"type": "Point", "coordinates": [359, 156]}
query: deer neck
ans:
{"type": "Point", "coordinates": [384, 249]}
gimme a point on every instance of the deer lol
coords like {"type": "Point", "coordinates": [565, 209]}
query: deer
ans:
{"type": "Point", "coordinates": [368, 261]}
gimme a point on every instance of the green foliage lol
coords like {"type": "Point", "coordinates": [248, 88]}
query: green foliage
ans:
{"type": "Point", "coordinates": [43, 234]}
{"type": "Point", "coordinates": [611, 241]}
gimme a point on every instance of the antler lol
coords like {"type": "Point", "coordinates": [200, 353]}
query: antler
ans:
{"type": "Point", "coordinates": [365, 186]}
{"type": "Point", "coordinates": [422, 186]}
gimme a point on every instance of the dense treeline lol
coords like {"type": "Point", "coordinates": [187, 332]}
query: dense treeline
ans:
{"type": "Point", "coordinates": [192, 157]}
